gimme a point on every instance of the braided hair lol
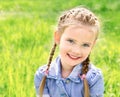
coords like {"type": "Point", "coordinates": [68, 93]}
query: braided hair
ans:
{"type": "Point", "coordinates": [78, 15]}
{"type": "Point", "coordinates": [42, 84]}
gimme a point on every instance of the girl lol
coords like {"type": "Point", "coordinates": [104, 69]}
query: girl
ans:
{"type": "Point", "coordinates": [71, 74]}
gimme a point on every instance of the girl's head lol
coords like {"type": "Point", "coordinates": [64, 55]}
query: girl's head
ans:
{"type": "Point", "coordinates": [76, 35]}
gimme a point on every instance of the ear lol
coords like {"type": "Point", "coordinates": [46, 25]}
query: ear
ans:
{"type": "Point", "coordinates": [57, 37]}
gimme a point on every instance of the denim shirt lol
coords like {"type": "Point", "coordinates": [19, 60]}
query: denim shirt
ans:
{"type": "Point", "coordinates": [72, 86]}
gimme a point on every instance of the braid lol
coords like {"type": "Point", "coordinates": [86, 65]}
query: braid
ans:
{"type": "Point", "coordinates": [84, 71]}
{"type": "Point", "coordinates": [42, 84]}
{"type": "Point", "coordinates": [78, 16]}
{"type": "Point", "coordinates": [85, 65]}
{"type": "Point", "coordinates": [51, 55]}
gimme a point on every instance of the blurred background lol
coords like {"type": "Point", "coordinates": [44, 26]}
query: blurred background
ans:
{"type": "Point", "coordinates": [26, 38]}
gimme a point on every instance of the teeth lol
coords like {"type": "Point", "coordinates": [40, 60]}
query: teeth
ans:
{"type": "Point", "coordinates": [73, 56]}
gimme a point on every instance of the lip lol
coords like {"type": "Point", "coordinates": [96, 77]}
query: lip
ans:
{"type": "Point", "coordinates": [73, 57]}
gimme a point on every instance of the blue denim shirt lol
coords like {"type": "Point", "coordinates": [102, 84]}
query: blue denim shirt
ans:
{"type": "Point", "coordinates": [72, 86]}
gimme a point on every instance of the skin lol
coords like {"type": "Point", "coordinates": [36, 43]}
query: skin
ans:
{"type": "Point", "coordinates": [75, 43]}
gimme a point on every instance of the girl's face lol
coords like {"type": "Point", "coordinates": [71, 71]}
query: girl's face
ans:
{"type": "Point", "coordinates": [75, 44]}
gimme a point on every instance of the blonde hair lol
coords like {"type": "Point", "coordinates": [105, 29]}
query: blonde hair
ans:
{"type": "Point", "coordinates": [78, 15]}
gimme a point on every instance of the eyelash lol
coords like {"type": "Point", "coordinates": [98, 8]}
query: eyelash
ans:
{"type": "Point", "coordinates": [86, 45]}
{"type": "Point", "coordinates": [70, 41]}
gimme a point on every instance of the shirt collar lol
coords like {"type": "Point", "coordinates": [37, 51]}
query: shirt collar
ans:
{"type": "Point", "coordinates": [55, 71]}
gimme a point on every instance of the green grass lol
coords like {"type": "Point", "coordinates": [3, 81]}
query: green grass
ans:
{"type": "Point", "coordinates": [26, 30]}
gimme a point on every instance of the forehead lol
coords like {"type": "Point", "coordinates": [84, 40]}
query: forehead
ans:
{"type": "Point", "coordinates": [80, 32]}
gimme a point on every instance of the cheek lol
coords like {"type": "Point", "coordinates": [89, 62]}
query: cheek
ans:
{"type": "Point", "coordinates": [63, 47]}
{"type": "Point", "coordinates": [87, 51]}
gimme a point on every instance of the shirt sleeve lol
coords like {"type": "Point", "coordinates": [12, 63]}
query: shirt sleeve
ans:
{"type": "Point", "coordinates": [37, 79]}
{"type": "Point", "coordinates": [96, 83]}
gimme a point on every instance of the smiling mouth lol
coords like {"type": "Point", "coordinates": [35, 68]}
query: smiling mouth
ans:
{"type": "Point", "coordinates": [73, 57]}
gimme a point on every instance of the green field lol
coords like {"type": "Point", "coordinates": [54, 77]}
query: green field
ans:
{"type": "Point", "coordinates": [26, 37]}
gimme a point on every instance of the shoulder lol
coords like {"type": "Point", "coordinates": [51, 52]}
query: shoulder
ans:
{"type": "Point", "coordinates": [94, 75]}
{"type": "Point", "coordinates": [53, 70]}
{"type": "Point", "coordinates": [95, 81]}
{"type": "Point", "coordinates": [39, 75]}
{"type": "Point", "coordinates": [41, 69]}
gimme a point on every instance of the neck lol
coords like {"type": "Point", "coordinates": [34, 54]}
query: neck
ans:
{"type": "Point", "coordinates": [66, 72]}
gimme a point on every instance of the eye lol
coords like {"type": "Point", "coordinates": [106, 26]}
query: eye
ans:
{"type": "Point", "coordinates": [70, 41]}
{"type": "Point", "coordinates": [86, 45]}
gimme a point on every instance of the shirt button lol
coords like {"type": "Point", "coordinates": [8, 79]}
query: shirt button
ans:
{"type": "Point", "coordinates": [67, 81]}
{"type": "Point", "coordinates": [63, 94]}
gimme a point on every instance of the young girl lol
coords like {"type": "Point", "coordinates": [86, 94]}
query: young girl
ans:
{"type": "Point", "coordinates": [71, 74]}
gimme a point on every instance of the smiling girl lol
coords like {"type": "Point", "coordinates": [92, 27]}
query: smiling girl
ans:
{"type": "Point", "coordinates": [71, 74]}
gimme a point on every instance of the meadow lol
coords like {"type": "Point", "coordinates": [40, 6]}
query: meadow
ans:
{"type": "Point", "coordinates": [26, 37]}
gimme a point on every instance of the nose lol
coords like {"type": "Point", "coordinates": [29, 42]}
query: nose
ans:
{"type": "Point", "coordinates": [77, 50]}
